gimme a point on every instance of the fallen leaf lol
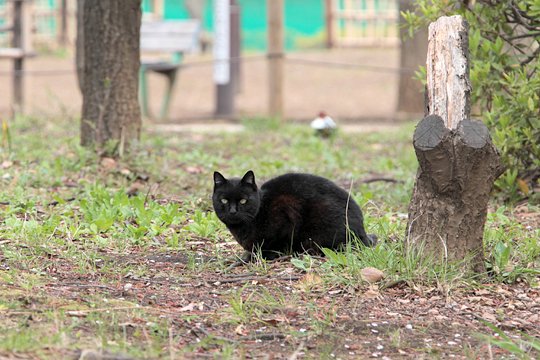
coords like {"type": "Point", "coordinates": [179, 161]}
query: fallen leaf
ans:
{"type": "Point", "coordinates": [134, 188]}
{"type": "Point", "coordinates": [523, 186]}
{"type": "Point", "coordinates": [108, 163]}
{"type": "Point", "coordinates": [489, 317]}
{"type": "Point", "coordinates": [194, 169]}
{"type": "Point", "coordinates": [77, 313]}
{"type": "Point", "coordinates": [188, 307]}
{"type": "Point", "coordinates": [371, 275]}
{"type": "Point", "coordinates": [125, 172]}
{"type": "Point", "coordinates": [240, 330]}
{"type": "Point", "coordinates": [128, 286]}
{"type": "Point", "coordinates": [482, 292]}
{"type": "Point", "coordinates": [309, 281]}
{"type": "Point", "coordinates": [275, 320]}
{"type": "Point", "coordinates": [7, 164]}
{"type": "Point", "coordinates": [371, 294]}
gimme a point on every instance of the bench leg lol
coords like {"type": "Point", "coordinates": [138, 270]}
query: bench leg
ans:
{"type": "Point", "coordinates": [143, 92]}
{"type": "Point", "coordinates": [171, 77]}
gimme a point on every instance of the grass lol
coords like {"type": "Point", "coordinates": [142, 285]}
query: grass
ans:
{"type": "Point", "coordinates": [72, 238]}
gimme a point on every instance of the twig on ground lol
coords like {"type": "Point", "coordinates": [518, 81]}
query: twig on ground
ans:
{"type": "Point", "coordinates": [75, 311]}
{"type": "Point", "coordinates": [393, 283]}
{"type": "Point", "coordinates": [297, 352]}
{"type": "Point", "coordinates": [385, 179]}
{"type": "Point", "coordinates": [253, 278]}
{"type": "Point", "coordinates": [83, 286]}
{"type": "Point", "coordinates": [281, 258]}
{"type": "Point", "coordinates": [197, 331]}
{"type": "Point", "coordinates": [56, 202]}
{"type": "Point", "coordinates": [263, 336]}
{"type": "Point", "coordinates": [235, 264]}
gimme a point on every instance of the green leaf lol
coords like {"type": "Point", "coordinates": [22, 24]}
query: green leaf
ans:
{"type": "Point", "coordinates": [299, 264]}
{"type": "Point", "coordinates": [531, 104]}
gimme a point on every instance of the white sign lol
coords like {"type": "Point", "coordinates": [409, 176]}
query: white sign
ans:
{"type": "Point", "coordinates": [222, 38]}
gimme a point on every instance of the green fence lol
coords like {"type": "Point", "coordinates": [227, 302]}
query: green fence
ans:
{"type": "Point", "coordinates": [304, 21]}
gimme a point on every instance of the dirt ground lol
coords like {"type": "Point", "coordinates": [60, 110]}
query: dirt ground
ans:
{"type": "Point", "coordinates": [359, 93]}
{"type": "Point", "coordinates": [401, 322]}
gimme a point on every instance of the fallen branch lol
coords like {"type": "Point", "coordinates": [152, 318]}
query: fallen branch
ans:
{"type": "Point", "coordinates": [253, 278]}
{"type": "Point", "coordinates": [385, 179]}
{"type": "Point", "coordinates": [263, 336]}
{"type": "Point", "coordinates": [297, 352]}
{"type": "Point", "coordinates": [197, 331]}
{"type": "Point", "coordinates": [83, 286]}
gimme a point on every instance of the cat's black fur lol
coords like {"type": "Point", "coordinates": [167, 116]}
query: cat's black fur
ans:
{"type": "Point", "coordinates": [290, 213]}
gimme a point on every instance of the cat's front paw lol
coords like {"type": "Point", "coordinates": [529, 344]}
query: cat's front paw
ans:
{"type": "Point", "coordinates": [372, 239]}
{"type": "Point", "coordinates": [246, 257]}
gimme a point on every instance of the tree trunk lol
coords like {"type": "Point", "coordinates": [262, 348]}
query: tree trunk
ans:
{"type": "Point", "coordinates": [413, 52]}
{"type": "Point", "coordinates": [458, 162]}
{"type": "Point", "coordinates": [111, 113]}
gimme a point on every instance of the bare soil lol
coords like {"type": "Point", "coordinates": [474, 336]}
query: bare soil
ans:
{"type": "Point", "coordinates": [366, 92]}
{"type": "Point", "coordinates": [400, 322]}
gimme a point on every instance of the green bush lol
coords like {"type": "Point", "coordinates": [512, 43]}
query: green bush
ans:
{"type": "Point", "coordinates": [504, 42]}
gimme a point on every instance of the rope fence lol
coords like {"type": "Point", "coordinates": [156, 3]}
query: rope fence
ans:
{"type": "Point", "coordinates": [210, 62]}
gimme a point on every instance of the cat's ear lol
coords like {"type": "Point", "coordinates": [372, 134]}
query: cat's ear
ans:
{"type": "Point", "coordinates": [219, 179]}
{"type": "Point", "coordinates": [249, 179]}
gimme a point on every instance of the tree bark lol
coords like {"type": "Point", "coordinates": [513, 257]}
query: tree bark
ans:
{"type": "Point", "coordinates": [413, 52]}
{"type": "Point", "coordinates": [458, 163]}
{"type": "Point", "coordinates": [110, 112]}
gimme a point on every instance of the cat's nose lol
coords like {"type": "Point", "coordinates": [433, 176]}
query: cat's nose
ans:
{"type": "Point", "coordinates": [232, 210]}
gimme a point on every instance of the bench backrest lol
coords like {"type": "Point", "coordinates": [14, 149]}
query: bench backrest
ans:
{"type": "Point", "coordinates": [170, 35]}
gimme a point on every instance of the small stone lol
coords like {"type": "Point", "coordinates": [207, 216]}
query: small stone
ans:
{"type": "Point", "coordinates": [371, 274]}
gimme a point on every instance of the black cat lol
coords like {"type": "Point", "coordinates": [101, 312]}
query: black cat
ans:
{"type": "Point", "coordinates": [290, 213]}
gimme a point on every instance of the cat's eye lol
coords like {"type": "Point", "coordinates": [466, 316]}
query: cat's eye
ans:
{"type": "Point", "coordinates": [224, 201]}
{"type": "Point", "coordinates": [243, 201]}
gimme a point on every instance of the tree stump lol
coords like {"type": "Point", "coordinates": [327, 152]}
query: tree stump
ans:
{"type": "Point", "coordinates": [458, 163]}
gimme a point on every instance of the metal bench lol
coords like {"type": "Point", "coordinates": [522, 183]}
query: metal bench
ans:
{"type": "Point", "coordinates": [171, 37]}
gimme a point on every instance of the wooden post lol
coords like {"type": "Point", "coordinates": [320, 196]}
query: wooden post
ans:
{"type": "Point", "coordinates": [458, 163]}
{"type": "Point", "coordinates": [413, 50]}
{"type": "Point", "coordinates": [21, 40]}
{"type": "Point", "coordinates": [275, 58]}
{"type": "Point", "coordinates": [329, 16]}
{"type": "Point", "coordinates": [159, 9]}
{"type": "Point", "coordinates": [62, 20]}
